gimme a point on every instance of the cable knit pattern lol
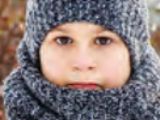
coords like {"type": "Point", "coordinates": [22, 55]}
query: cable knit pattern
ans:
{"type": "Point", "coordinates": [29, 96]}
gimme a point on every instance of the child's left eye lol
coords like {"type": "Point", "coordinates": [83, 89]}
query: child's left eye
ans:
{"type": "Point", "coordinates": [103, 41]}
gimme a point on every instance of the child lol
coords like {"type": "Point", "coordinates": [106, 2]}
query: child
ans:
{"type": "Point", "coordinates": [84, 60]}
{"type": "Point", "coordinates": [85, 64]}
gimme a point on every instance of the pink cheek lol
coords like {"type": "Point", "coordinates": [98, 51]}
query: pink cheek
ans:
{"type": "Point", "coordinates": [110, 70]}
{"type": "Point", "coordinates": [53, 69]}
{"type": "Point", "coordinates": [108, 74]}
{"type": "Point", "coordinates": [56, 70]}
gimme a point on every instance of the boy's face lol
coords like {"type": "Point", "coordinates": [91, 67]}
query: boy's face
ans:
{"type": "Point", "coordinates": [84, 56]}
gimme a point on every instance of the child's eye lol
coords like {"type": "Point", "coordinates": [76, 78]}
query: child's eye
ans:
{"type": "Point", "coordinates": [103, 41]}
{"type": "Point", "coordinates": [63, 40]}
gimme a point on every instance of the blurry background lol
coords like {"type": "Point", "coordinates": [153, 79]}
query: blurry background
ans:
{"type": "Point", "coordinates": [11, 32]}
{"type": "Point", "coordinates": [12, 13]}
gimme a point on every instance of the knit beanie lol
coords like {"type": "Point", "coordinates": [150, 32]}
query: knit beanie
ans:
{"type": "Point", "coordinates": [127, 18]}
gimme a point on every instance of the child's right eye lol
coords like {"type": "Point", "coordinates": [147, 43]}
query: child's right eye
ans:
{"type": "Point", "coordinates": [63, 40]}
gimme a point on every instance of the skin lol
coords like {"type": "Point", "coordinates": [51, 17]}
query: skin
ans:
{"type": "Point", "coordinates": [84, 53]}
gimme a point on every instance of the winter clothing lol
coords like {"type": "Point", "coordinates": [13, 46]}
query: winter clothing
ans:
{"type": "Point", "coordinates": [29, 96]}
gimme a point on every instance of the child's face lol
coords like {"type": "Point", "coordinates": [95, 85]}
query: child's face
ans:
{"type": "Point", "coordinates": [84, 53]}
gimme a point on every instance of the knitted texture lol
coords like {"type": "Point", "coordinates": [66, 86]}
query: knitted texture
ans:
{"type": "Point", "coordinates": [29, 96]}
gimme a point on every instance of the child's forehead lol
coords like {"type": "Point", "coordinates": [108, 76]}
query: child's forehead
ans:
{"type": "Point", "coordinates": [80, 24]}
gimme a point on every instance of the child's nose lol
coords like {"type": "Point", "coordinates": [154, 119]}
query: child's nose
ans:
{"type": "Point", "coordinates": [84, 62]}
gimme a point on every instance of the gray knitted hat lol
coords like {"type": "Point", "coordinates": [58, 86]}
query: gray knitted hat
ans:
{"type": "Point", "coordinates": [128, 18]}
{"type": "Point", "coordinates": [29, 96]}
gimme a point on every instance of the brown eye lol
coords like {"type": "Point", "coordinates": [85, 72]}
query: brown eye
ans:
{"type": "Point", "coordinates": [103, 41]}
{"type": "Point", "coordinates": [63, 40]}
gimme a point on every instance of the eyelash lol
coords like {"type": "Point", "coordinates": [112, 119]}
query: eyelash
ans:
{"type": "Point", "coordinates": [104, 40]}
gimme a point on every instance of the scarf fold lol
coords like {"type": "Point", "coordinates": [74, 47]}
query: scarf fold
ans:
{"type": "Point", "coordinates": [32, 97]}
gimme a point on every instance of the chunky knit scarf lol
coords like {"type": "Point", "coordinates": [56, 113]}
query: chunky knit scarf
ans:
{"type": "Point", "coordinates": [29, 96]}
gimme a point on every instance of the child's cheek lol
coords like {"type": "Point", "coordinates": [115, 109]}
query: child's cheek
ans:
{"type": "Point", "coordinates": [52, 70]}
{"type": "Point", "coordinates": [112, 69]}
{"type": "Point", "coordinates": [109, 69]}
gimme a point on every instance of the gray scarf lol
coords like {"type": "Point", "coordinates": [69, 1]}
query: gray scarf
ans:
{"type": "Point", "coordinates": [29, 96]}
